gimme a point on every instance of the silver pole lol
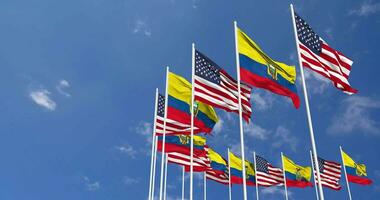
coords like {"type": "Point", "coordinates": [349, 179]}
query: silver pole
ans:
{"type": "Point", "coordinates": [315, 180]}
{"type": "Point", "coordinates": [183, 182]}
{"type": "Point", "coordinates": [240, 113]}
{"type": "Point", "coordinates": [257, 184]}
{"type": "Point", "coordinates": [314, 148]}
{"type": "Point", "coordinates": [153, 147]}
{"type": "Point", "coordinates": [192, 120]}
{"type": "Point", "coordinates": [283, 171]}
{"type": "Point", "coordinates": [154, 167]}
{"type": "Point", "coordinates": [229, 175]}
{"type": "Point", "coordinates": [345, 174]}
{"type": "Point", "coordinates": [166, 175]}
{"type": "Point", "coordinates": [164, 134]}
{"type": "Point", "coordinates": [204, 186]}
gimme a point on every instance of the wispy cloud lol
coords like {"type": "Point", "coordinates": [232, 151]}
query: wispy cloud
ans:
{"type": "Point", "coordinates": [145, 129]}
{"type": "Point", "coordinates": [127, 149]}
{"type": "Point", "coordinates": [355, 114]}
{"type": "Point", "coordinates": [329, 34]}
{"type": "Point", "coordinates": [256, 131]}
{"type": "Point", "coordinates": [366, 8]}
{"type": "Point", "coordinates": [269, 191]}
{"type": "Point", "coordinates": [42, 98]}
{"type": "Point", "coordinates": [283, 137]}
{"type": "Point", "coordinates": [218, 126]}
{"type": "Point", "coordinates": [316, 82]}
{"type": "Point", "coordinates": [262, 100]}
{"type": "Point", "coordinates": [130, 180]}
{"type": "Point", "coordinates": [141, 27]}
{"type": "Point", "coordinates": [62, 85]}
{"type": "Point", "coordinates": [91, 186]}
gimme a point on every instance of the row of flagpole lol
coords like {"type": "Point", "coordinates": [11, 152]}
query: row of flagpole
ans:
{"type": "Point", "coordinates": [162, 191]}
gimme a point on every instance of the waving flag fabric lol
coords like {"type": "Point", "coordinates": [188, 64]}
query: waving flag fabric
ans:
{"type": "Point", "coordinates": [317, 55]}
{"type": "Point", "coordinates": [217, 162]}
{"type": "Point", "coordinates": [356, 173]}
{"type": "Point", "coordinates": [267, 175]}
{"type": "Point", "coordinates": [181, 144]}
{"type": "Point", "coordinates": [330, 173]}
{"type": "Point", "coordinates": [201, 162]}
{"type": "Point", "coordinates": [237, 171]}
{"type": "Point", "coordinates": [296, 175]}
{"type": "Point", "coordinates": [215, 87]}
{"type": "Point", "coordinates": [220, 178]}
{"type": "Point", "coordinates": [179, 109]}
{"type": "Point", "coordinates": [172, 126]}
{"type": "Point", "coordinates": [259, 70]}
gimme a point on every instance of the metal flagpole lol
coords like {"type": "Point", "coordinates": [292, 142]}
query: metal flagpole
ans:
{"type": "Point", "coordinates": [257, 185]}
{"type": "Point", "coordinates": [192, 120]}
{"type": "Point", "coordinates": [240, 113]}
{"type": "Point", "coordinates": [183, 182]}
{"type": "Point", "coordinates": [229, 175]}
{"type": "Point", "coordinates": [314, 148]}
{"type": "Point", "coordinates": [204, 186]}
{"type": "Point", "coordinates": [345, 173]}
{"type": "Point", "coordinates": [166, 175]}
{"type": "Point", "coordinates": [153, 147]}
{"type": "Point", "coordinates": [154, 167]}
{"type": "Point", "coordinates": [283, 171]}
{"type": "Point", "coordinates": [315, 181]}
{"type": "Point", "coordinates": [164, 134]}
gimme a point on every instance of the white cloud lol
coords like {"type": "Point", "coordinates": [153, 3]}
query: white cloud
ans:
{"type": "Point", "coordinates": [130, 181]}
{"type": "Point", "coordinates": [256, 131]}
{"type": "Point", "coordinates": [275, 190]}
{"type": "Point", "coordinates": [41, 97]}
{"type": "Point", "coordinates": [283, 137]}
{"type": "Point", "coordinates": [127, 149]}
{"type": "Point", "coordinates": [316, 83]}
{"type": "Point", "coordinates": [355, 115]}
{"type": "Point", "coordinates": [329, 34]}
{"type": "Point", "coordinates": [61, 86]}
{"type": "Point", "coordinates": [145, 129]}
{"type": "Point", "coordinates": [366, 8]}
{"type": "Point", "coordinates": [261, 100]}
{"type": "Point", "coordinates": [91, 186]}
{"type": "Point", "coordinates": [141, 27]}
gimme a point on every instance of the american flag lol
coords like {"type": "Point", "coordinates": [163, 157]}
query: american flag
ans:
{"type": "Point", "coordinates": [172, 126]}
{"type": "Point", "coordinates": [200, 163]}
{"type": "Point", "coordinates": [218, 177]}
{"type": "Point", "coordinates": [266, 174]}
{"type": "Point", "coordinates": [215, 87]}
{"type": "Point", "coordinates": [330, 173]}
{"type": "Point", "coordinates": [321, 58]}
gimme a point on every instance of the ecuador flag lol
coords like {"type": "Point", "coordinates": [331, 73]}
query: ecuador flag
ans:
{"type": "Point", "coordinates": [179, 101]}
{"type": "Point", "coordinates": [181, 144]}
{"type": "Point", "coordinates": [259, 70]}
{"type": "Point", "coordinates": [217, 162]}
{"type": "Point", "coordinates": [236, 171]}
{"type": "Point", "coordinates": [296, 175]}
{"type": "Point", "coordinates": [356, 173]}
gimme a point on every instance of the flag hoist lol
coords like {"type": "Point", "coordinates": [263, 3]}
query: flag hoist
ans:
{"type": "Point", "coordinates": [163, 137]}
{"type": "Point", "coordinates": [313, 145]}
{"type": "Point", "coordinates": [240, 112]}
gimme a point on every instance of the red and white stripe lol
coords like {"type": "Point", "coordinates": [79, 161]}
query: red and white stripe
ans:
{"type": "Point", "coordinates": [331, 64]}
{"type": "Point", "coordinates": [172, 127]}
{"type": "Point", "coordinates": [330, 175]}
{"type": "Point", "coordinates": [224, 95]}
{"type": "Point", "coordinates": [218, 177]}
{"type": "Point", "coordinates": [273, 177]}
{"type": "Point", "coordinates": [184, 159]}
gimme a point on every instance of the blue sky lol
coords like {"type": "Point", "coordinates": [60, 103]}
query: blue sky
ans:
{"type": "Point", "coordinates": [78, 80]}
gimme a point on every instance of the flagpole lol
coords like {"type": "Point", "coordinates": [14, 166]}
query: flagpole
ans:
{"type": "Point", "coordinates": [153, 147]}
{"type": "Point", "coordinates": [183, 182]}
{"type": "Point", "coordinates": [229, 175]}
{"type": "Point", "coordinates": [164, 133]}
{"type": "Point", "coordinates": [314, 148]}
{"type": "Point", "coordinates": [283, 171]}
{"type": "Point", "coordinates": [257, 185]}
{"type": "Point", "coordinates": [166, 175]}
{"type": "Point", "coordinates": [345, 173]}
{"type": "Point", "coordinates": [204, 186]}
{"type": "Point", "coordinates": [315, 181]}
{"type": "Point", "coordinates": [154, 166]}
{"type": "Point", "coordinates": [192, 120]}
{"type": "Point", "coordinates": [240, 113]}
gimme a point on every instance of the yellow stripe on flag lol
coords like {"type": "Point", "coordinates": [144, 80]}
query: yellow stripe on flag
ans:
{"type": "Point", "coordinates": [293, 168]}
